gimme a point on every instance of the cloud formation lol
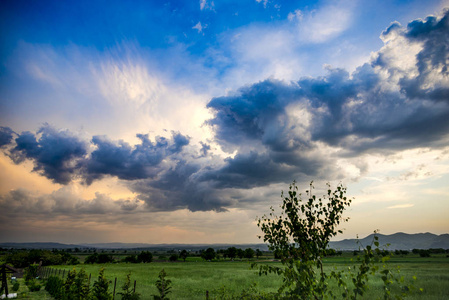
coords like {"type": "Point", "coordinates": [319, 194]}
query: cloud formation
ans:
{"type": "Point", "coordinates": [56, 154]}
{"type": "Point", "coordinates": [271, 131]}
{"type": "Point", "coordinates": [130, 163]}
{"type": "Point", "coordinates": [382, 105]}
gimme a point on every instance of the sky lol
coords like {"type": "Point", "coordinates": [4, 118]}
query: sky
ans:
{"type": "Point", "coordinates": [183, 121]}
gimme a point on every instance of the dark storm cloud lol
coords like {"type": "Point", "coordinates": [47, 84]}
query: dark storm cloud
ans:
{"type": "Point", "coordinates": [434, 34]}
{"type": "Point", "coordinates": [243, 117]}
{"type": "Point", "coordinates": [6, 136]}
{"type": "Point", "coordinates": [130, 163]}
{"type": "Point", "coordinates": [344, 108]}
{"type": "Point", "coordinates": [56, 154]}
{"type": "Point", "coordinates": [179, 187]}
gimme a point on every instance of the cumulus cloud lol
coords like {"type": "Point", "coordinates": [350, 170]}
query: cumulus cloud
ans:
{"type": "Point", "coordinates": [56, 154]}
{"type": "Point", "coordinates": [130, 163]}
{"type": "Point", "coordinates": [359, 112]}
{"type": "Point", "coordinates": [6, 136]}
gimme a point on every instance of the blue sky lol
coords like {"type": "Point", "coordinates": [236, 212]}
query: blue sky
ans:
{"type": "Point", "coordinates": [181, 121]}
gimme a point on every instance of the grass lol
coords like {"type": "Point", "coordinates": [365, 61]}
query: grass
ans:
{"type": "Point", "coordinates": [191, 279]}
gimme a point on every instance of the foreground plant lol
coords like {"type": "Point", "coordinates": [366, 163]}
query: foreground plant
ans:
{"type": "Point", "coordinates": [128, 293]}
{"type": "Point", "coordinates": [163, 286]}
{"type": "Point", "coordinates": [300, 236]}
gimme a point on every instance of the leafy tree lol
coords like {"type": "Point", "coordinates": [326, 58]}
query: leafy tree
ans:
{"type": "Point", "coordinates": [104, 258]}
{"type": "Point", "coordinates": [258, 253]}
{"type": "Point", "coordinates": [91, 259]}
{"type": "Point", "coordinates": [131, 259]}
{"type": "Point", "coordinates": [231, 252]}
{"type": "Point", "coordinates": [100, 289]}
{"type": "Point", "coordinates": [249, 253]}
{"type": "Point", "coordinates": [300, 237]}
{"type": "Point", "coordinates": [240, 253]}
{"type": "Point", "coordinates": [163, 286]}
{"type": "Point", "coordinates": [173, 257]}
{"type": "Point", "coordinates": [145, 257]}
{"type": "Point", "coordinates": [209, 254]}
{"type": "Point", "coordinates": [184, 254]}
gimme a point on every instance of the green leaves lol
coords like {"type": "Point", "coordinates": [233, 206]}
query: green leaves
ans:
{"type": "Point", "coordinates": [300, 235]}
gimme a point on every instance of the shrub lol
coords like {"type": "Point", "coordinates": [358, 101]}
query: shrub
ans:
{"type": "Point", "coordinates": [173, 257]}
{"type": "Point", "coordinates": [163, 286]}
{"type": "Point", "coordinates": [31, 272]}
{"type": "Point", "coordinates": [100, 289]}
{"type": "Point", "coordinates": [33, 285]}
{"type": "Point", "coordinates": [128, 293]}
{"type": "Point", "coordinates": [15, 286]}
{"type": "Point", "coordinates": [54, 287]}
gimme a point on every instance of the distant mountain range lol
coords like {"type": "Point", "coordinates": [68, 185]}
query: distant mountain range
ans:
{"type": "Point", "coordinates": [397, 241]}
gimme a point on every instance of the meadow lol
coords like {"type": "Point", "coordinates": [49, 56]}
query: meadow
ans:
{"type": "Point", "coordinates": [191, 279]}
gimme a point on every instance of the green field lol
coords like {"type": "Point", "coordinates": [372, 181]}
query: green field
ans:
{"type": "Point", "coordinates": [191, 279]}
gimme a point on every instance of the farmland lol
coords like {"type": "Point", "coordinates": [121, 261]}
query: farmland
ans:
{"type": "Point", "coordinates": [191, 279]}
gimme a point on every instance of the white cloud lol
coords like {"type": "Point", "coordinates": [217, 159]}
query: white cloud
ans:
{"type": "Point", "coordinates": [296, 15]}
{"type": "Point", "coordinates": [204, 4]}
{"type": "Point", "coordinates": [326, 23]}
{"type": "Point", "coordinates": [198, 27]}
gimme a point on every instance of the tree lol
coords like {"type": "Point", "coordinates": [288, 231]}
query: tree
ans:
{"type": "Point", "coordinates": [258, 253]}
{"type": "Point", "coordinates": [145, 257]}
{"type": "Point", "coordinates": [173, 257]}
{"type": "Point", "coordinates": [300, 235]}
{"type": "Point", "coordinates": [240, 253]}
{"type": "Point", "coordinates": [184, 254]}
{"type": "Point", "coordinates": [209, 254]}
{"type": "Point", "coordinates": [231, 252]}
{"type": "Point", "coordinates": [249, 253]}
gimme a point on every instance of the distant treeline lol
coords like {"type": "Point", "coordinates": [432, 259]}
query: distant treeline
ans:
{"type": "Point", "coordinates": [23, 258]}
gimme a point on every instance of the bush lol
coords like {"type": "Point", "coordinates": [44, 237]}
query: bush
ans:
{"type": "Point", "coordinates": [54, 286]}
{"type": "Point", "coordinates": [100, 289]}
{"type": "Point", "coordinates": [173, 257]}
{"type": "Point", "coordinates": [163, 286]}
{"type": "Point", "coordinates": [33, 285]}
{"type": "Point", "coordinates": [127, 293]}
{"type": "Point", "coordinates": [15, 286]}
{"type": "Point", "coordinates": [31, 272]}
